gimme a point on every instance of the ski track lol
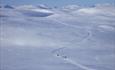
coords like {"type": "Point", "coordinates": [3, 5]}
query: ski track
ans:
{"type": "Point", "coordinates": [74, 63]}
{"type": "Point", "coordinates": [88, 30]}
{"type": "Point", "coordinates": [78, 64]}
{"type": "Point", "coordinates": [84, 39]}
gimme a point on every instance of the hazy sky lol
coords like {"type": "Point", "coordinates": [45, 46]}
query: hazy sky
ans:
{"type": "Point", "coordinates": [57, 2]}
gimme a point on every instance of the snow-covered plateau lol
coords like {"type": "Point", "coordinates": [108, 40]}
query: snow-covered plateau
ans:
{"type": "Point", "coordinates": [68, 38]}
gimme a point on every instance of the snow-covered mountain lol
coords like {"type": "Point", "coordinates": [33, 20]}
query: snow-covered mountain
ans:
{"type": "Point", "coordinates": [40, 38]}
{"type": "Point", "coordinates": [35, 11]}
{"type": "Point", "coordinates": [8, 7]}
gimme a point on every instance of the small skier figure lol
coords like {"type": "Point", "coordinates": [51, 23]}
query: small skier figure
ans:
{"type": "Point", "coordinates": [57, 54]}
{"type": "Point", "coordinates": [65, 57]}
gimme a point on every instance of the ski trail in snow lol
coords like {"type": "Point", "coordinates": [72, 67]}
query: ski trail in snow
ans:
{"type": "Point", "coordinates": [78, 64]}
{"type": "Point", "coordinates": [88, 30]}
{"type": "Point", "coordinates": [84, 39]}
{"type": "Point", "coordinates": [75, 63]}
{"type": "Point", "coordinates": [70, 60]}
{"type": "Point", "coordinates": [70, 25]}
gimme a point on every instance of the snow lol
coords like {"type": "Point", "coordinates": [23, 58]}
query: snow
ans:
{"type": "Point", "coordinates": [107, 27]}
{"type": "Point", "coordinates": [35, 11]}
{"type": "Point", "coordinates": [88, 11]}
{"type": "Point", "coordinates": [40, 38]}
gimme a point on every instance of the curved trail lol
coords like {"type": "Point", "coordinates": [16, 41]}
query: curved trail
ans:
{"type": "Point", "coordinates": [88, 30]}
{"type": "Point", "coordinates": [76, 63]}
{"type": "Point", "coordinates": [65, 57]}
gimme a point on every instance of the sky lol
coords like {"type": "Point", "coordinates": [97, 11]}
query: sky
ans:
{"type": "Point", "coordinates": [57, 2]}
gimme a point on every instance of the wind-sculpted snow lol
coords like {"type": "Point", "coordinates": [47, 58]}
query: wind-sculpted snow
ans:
{"type": "Point", "coordinates": [35, 11]}
{"type": "Point", "coordinates": [80, 38]}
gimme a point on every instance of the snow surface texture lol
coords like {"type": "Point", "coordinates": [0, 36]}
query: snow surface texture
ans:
{"type": "Point", "coordinates": [70, 38]}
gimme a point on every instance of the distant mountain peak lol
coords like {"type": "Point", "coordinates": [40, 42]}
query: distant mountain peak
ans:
{"type": "Point", "coordinates": [8, 6]}
{"type": "Point", "coordinates": [35, 11]}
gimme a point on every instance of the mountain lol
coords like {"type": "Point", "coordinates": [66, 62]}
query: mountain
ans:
{"type": "Point", "coordinates": [35, 11]}
{"type": "Point", "coordinates": [8, 6]}
{"type": "Point", "coordinates": [0, 6]}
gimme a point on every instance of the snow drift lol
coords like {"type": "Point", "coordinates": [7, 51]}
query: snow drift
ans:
{"type": "Point", "coordinates": [35, 11]}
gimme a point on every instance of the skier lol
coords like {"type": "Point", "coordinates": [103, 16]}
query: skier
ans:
{"type": "Point", "coordinates": [57, 54]}
{"type": "Point", "coordinates": [65, 57]}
